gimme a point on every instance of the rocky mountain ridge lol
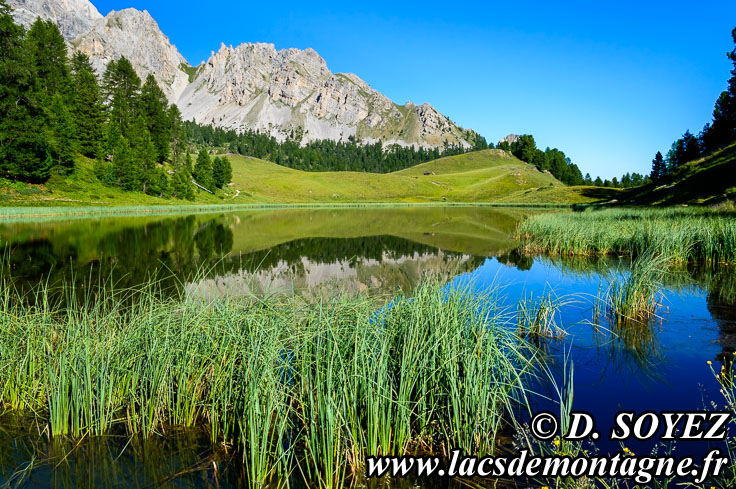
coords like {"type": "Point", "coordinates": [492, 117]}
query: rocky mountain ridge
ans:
{"type": "Point", "coordinates": [286, 93]}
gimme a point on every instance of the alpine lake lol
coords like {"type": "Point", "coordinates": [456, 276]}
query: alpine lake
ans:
{"type": "Point", "coordinates": [316, 253]}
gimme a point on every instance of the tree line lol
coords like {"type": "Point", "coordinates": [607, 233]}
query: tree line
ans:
{"type": "Point", "coordinates": [720, 132]}
{"type": "Point", "coordinates": [322, 155]}
{"type": "Point", "coordinates": [552, 159]}
{"type": "Point", "coordinates": [53, 108]}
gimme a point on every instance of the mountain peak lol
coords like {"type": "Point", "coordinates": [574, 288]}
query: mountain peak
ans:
{"type": "Point", "coordinates": [254, 86]}
{"type": "Point", "coordinates": [136, 35]}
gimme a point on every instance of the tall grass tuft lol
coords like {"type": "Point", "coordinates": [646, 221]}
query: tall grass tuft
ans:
{"type": "Point", "coordinates": [294, 387]}
{"type": "Point", "coordinates": [683, 234]}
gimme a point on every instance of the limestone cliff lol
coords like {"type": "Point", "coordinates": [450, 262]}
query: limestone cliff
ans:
{"type": "Point", "coordinates": [74, 17]}
{"type": "Point", "coordinates": [287, 93]}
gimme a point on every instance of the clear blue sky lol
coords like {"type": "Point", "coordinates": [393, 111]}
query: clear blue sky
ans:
{"type": "Point", "coordinates": [609, 83]}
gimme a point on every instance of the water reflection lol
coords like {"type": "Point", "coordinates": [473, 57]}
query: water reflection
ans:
{"type": "Point", "coordinates": [376, 249]}
{"type": "Point", "coordinates": [659, 365]}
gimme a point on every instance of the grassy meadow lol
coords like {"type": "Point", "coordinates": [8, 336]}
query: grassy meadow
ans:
{"type": "Point", "coordinates": [478, 177]}
{"type": "Point", "coordinates": [295, 387]}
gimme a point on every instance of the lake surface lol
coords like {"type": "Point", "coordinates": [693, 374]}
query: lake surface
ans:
{"type": "Point", "coordinates": [378, 251]}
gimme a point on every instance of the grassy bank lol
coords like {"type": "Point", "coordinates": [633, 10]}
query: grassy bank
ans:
{"type": "Point", "coordinates": [294, 387]}
{"type": "Point", "coordinates": [483, 176]}
{"type": "Point", "coordinates": [682, 234]}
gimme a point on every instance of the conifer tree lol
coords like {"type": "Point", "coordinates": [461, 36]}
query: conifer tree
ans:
{"type": "Point", "coordinates": [61, 134]}
{"type": "Point", "coordinates": [144, 154]}
{"type": "Point", "coordinates": [177, 131]}
{"type": "Point", "coordinates": [659, 169]}
{"type": "Point", "coordinates": [218, 171]}
{"type": "Point", "coordinates": [47, 51]}
{"type": "Point", "coordinates": [87, 109]}
{"type": "Point", "coordinates": [723, 129]}
{"type": "Point", "coordinates": [203, 169]}
{"type": "Point", "coordinates": [126, 171]}
{"type": "Point", "coordinates": [154, 107]}
{"type": "Point", "coordinates": [25, 153]}
{"type": "Point", "coordinates": [121, 88]}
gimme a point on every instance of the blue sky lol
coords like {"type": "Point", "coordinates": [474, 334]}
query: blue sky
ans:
{"type": "Point", "coordinates": [609, 83]}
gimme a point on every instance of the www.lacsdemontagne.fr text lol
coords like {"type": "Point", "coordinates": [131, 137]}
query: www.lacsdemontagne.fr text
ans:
{"type": "Point", "coordinates": [641, 469]}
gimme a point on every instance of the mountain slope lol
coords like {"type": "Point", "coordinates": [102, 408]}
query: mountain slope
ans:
{"type": "Point", "coordinates": [74, 17]}
{"type": "Point", "coordinates": [483, 176]}
{"type": "Point", "coordinates": [708, 180]}
{"type": "Point", "coordinates": [286, 93]}
{"type": "Point", "coordinates": [290, 91]}
{"type": "Point", "coordinates": [137, 36]}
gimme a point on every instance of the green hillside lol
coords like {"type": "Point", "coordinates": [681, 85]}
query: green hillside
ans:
{"type": "Point", "coordinates": [483, 176]}
{"type": "Point", "coordinates": [708, 180]}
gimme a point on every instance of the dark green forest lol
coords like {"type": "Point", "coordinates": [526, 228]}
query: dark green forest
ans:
{"type": "Point", "coordinates": [322, 155]}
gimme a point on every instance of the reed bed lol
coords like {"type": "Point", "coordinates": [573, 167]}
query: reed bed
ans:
{"type": "Point", "coordinates": [295, 387]}
{"type": "Point", "coordinates": [683, 234]}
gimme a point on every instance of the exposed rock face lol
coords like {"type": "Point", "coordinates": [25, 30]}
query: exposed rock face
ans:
{"type": "Point", "coordinates": [137, 36]}
{"type": "Point", "coordinates": [284, 93]}
{"type": "Point", "coordinates": [290, 91]}
{"type": "Point", "coordinates": [511, 139]}
{"type": "Point", "coordinates": [74, 17]}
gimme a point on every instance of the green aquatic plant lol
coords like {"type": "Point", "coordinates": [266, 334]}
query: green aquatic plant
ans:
{"type": "Point", "coordinates": [683, 234]}
{"type": "Point", "coordinates": [293, 386]}
{"type": "Point", "coordinates": [633, 297]}
{"type": "Point", "coordinates": [538, 318]}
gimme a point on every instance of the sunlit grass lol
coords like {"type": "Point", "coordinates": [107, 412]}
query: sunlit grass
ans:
{"type": "Point", "coordinates": [682, 234]}
{"type": "Point", "coordinates": [292, 386]}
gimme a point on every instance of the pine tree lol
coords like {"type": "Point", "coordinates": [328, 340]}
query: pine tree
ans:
{"type": "Point", "coordinates": [127, 172]}
{"type": "Point", "coordinates": [61, 135]}
{"type": "Point", "coordinates": [188, 163]}
{"type": "Point", "coordinates": [47, 51]}
{"type": "Point", "coordinates": [178, 133]}
{"type": "Point", "coordinates": [690, 147]}
{"type": "Point", "coordinates": [218, 172]}
{"type": "Point", "coordinates": [154, 107]}
{"type": "Point", "coordinates": [659, 169]}
{"type": "Point", "coordinates": [143, 154]}
{"type": "Point", "coordinates": [25, 153]}
{"type": "Point", "coordinates": [87, 109]}
{"type": "Point", "coordinates": [203, 170]}
{"type": "Point", "coordinates": [121, 87]}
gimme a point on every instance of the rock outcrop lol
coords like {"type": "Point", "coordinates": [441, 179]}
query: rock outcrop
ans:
{"type": "Point", "coordinates": [286, 93]}
{"type": "Point", "coordinates": [290, 91]}
{"type": "Point", "coordinates": [74, 17]}
{"type": "Point", "coordinates": [137, 36]}
{"type": "Point", "coordinates": [511, 139]}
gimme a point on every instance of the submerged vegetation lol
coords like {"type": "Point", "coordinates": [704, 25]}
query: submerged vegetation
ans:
{"type": "Point", "coordinates": [681, 234]}
{"type": "Point", "coordinates": [293, 386]}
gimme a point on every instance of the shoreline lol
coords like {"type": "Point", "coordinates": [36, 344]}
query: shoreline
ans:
{"type": "Point", "coordinates": [15, 213]}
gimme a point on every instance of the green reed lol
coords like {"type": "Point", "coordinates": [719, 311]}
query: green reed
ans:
{"type": "Point", "coordinates": [684, 234]}
{"type": "Point", "coordinates": [538, 318]}
{"type": "Point", "coordinates": [290, 385]}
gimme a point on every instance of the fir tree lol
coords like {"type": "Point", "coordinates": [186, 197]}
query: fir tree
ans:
{"type": "Point", "coordinates": [126, 171]}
